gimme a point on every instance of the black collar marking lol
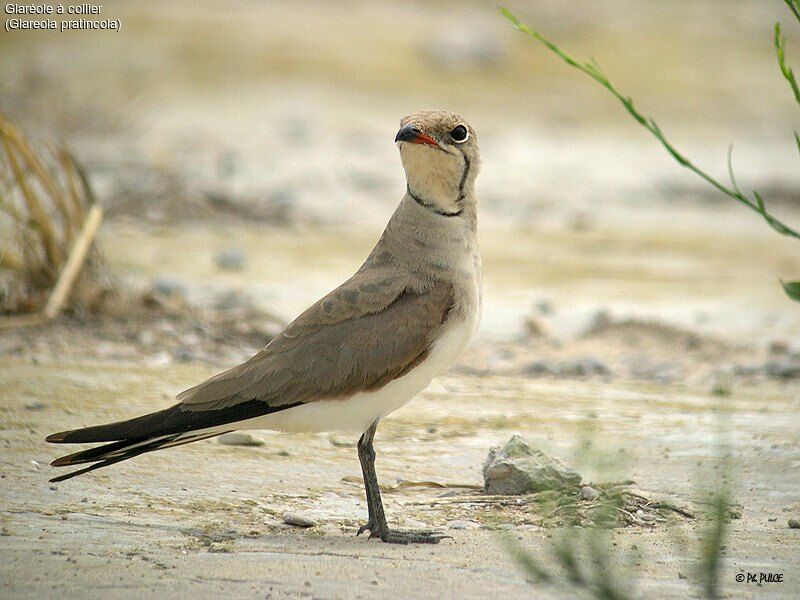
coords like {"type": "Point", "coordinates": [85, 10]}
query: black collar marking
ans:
{"type": "Point", "coordinates": [431, 207]}
{"type": "Point", "coordinates": [459, 200]}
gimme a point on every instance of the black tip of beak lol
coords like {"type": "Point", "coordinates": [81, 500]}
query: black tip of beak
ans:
{"type": "Point", "coordinates": [407, 133]}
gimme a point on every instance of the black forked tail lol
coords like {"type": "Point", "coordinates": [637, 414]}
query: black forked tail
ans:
{"type": "Point", "coordinates": [167, 428]}
{"type": "Point", "coordinates": [109, 454]}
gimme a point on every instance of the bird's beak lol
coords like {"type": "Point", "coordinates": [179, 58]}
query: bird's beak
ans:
{"type": "Point", "coordinates": [411, 133]}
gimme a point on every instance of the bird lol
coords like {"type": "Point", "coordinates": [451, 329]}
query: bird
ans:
{"type": "Point", "coordinates": [360, 352]}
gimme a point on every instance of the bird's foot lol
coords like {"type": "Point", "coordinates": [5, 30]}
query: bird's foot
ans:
{"type": "Point", "coordinates": [403, 536]}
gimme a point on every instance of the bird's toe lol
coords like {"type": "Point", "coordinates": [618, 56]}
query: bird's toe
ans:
{"type": "Point", "coordinates": [398, 536]}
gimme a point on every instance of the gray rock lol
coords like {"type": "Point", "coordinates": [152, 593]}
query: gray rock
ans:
{"type": "Point", "coordinates": [519, 469]}
{"type": "Point", "coordinates": [298, 520]}
{"type": "Point", "coordinates": [169, 287]}
{"type": "Point", "coordinates": [781, 369]}
{"type": "Point", "coordinates": [239, 438]}
{"type": "Point", "coordinates": [588, 493]}
{"type": "Point", "coordinates": [794, 523]}
{"type": "Point", "coordinates": [230, 259]}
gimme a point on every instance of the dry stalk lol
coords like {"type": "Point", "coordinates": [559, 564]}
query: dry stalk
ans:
{"type": "Point", "coordinates": [48, 218]}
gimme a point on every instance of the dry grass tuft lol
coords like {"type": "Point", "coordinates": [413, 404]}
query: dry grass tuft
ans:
{"type": "Point", "coordinates": [45, 198]}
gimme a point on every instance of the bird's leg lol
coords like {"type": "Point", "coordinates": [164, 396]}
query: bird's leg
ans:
{"type": "Point", "coordinates": [366, 455]}
{"type": "Point", "coordinates": [376, 524]}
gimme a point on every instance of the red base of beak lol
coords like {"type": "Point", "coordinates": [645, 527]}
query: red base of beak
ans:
{"type": "Point", "coordinates": [424, 139]}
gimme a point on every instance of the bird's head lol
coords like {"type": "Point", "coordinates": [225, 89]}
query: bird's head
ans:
{"type": "Point", "coordinates": [441, 159]}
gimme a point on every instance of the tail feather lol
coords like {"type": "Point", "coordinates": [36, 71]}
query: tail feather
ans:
{"type": "Point", "coordinates": [110, 454]}
{"type": "Point", "coordinates": [167, 428]}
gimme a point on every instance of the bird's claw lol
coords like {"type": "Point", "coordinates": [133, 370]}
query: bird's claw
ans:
{"type": "Point", "coordinates": [365, 527]}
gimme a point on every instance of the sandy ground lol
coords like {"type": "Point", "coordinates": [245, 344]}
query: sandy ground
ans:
{"type": "Point", "coordinates": [206, 519]}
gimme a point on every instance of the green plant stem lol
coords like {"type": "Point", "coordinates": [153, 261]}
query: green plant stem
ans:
{"type": "Point", "coordinates": [591, 69]}
{"type": "Point", "coordinates": [786, 71]}
{"type": "Point", "coordinates": [794, 6]}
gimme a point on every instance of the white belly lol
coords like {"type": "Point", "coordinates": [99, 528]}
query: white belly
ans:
{"type": "Point", "coordinates": [357, 413]}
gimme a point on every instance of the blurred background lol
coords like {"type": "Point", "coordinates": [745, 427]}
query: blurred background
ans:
{"type": "Point", "coordinates": [244, 154]}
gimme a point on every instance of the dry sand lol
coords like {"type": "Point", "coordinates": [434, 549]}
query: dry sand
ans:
{"type": "Point", "coordinates": [205, 520]}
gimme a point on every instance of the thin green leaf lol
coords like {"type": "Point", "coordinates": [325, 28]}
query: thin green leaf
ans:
{"type": "Point", "coordinates": [786, 71]}
{"type": "Point", "coordinates": [792, 289]}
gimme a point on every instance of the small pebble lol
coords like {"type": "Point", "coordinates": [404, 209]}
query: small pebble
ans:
{"type": "Point", "coordinates": [537, 368]}
{"type": "Point", "coordinates": [35, 406]}
{"type": "Point", "coordinates": [589, 493]}
{"type": "Point", "coordinates": [230, 259]}
{"type": "Point", "coordinates": [341, 442]}
{"type": "Point", "coordinates": [183, 355]}
{"type": "Point", "coordinates": [298, 520]}
{"type": "Point", "coordinates": [169, 287]}
{"type": "Point", "coordinates": [239, 438]}
{"type": "Point", "coordinates": [794, 523]}
{"type": "Point", "coordinates": [783, 369]}
{"type": "Point", "coordinates": [583, 367]}
{"type": "Point", "coordinates": [545, 307]}
{"type": "Point", "coordinates": [779, 347]}
{"type": "Point", "coordinates": [462, 525]}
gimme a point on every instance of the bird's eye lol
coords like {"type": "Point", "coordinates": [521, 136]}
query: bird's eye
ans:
{"type": "Point", "coordinates": [459, 134]}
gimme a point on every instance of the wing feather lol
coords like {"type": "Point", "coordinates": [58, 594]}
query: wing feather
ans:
{"type": "Point", "coordinates": [375, 327]}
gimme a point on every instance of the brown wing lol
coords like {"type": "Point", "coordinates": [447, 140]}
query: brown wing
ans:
{"type": "Point", "coordinates": [364, 334]}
